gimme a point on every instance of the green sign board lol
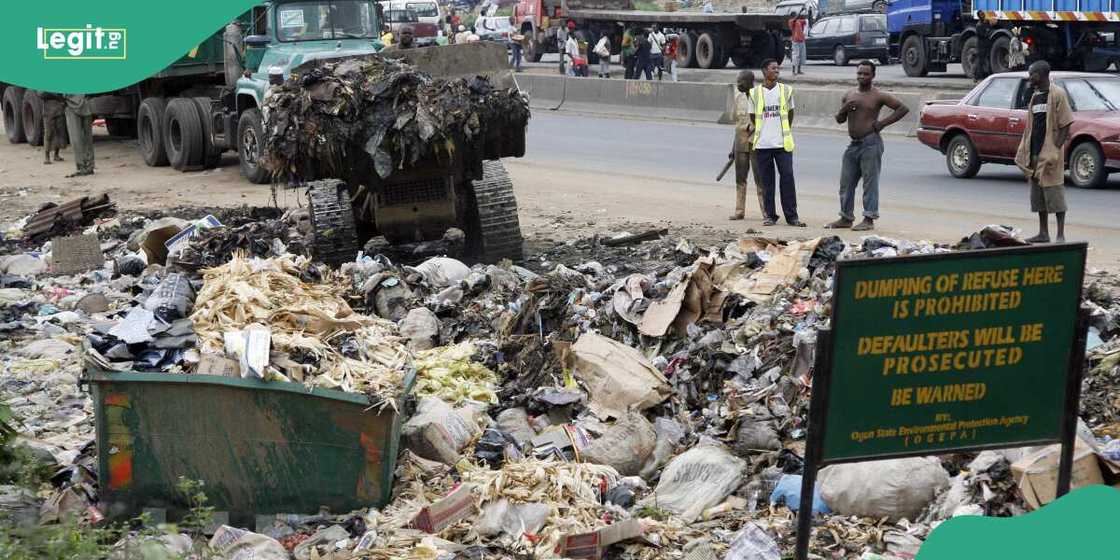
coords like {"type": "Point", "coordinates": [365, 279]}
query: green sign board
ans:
{"type": "Point", "coordinates": [962, 350]}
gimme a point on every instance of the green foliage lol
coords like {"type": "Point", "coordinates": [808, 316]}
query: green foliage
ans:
{"type": "Point", "coordinates": [67, 541]}
{"type": "Point", "coordinates": [200, 516]}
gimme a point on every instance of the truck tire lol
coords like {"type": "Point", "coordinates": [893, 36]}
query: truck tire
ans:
{"type": "Point", "coordinates": [149, 128]}
{"type": "Point", "coordinates": [32, 115]}
{"type": "Point", "coordinates": [211, 154]}
{"type": "Point", "coordinates": [840, 56]}
{"type": "Point", "coordinates": [686, 50]}
{"type": "Point", "coordinates": [493, 230]}
{"type": "Point", "coordinates": [250, 145]}
{"type": "Point", "coordinates": [13, 114]}
{"type": "Point", "coordinates": [914, 57]}
{"type": "Point", "coordinates": [708, 52]}
{"type": "Point", "coordinates": [1086, 166]}
{"type": "Point", "coordinates": [334, 236]}
{"type": "Point", "coordinates": [961, 157]}
{"type": "Point", "coordinates": [998, 57]}
{"type": "Point", "coordinates": [968, 57]}
{"type": "Point", "coordinates": [122, 128]}
{"type": "Point", "coordinates": [184, 134]}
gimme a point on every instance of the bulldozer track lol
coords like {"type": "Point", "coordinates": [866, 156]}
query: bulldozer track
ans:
{"type": "Point", "coordinates": [332, 221]}
{"type": "Point", "coordinates": [499, 228]}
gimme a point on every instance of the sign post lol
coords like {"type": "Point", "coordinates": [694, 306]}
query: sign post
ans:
{"type": "Point", "coordinates": [947, 353]}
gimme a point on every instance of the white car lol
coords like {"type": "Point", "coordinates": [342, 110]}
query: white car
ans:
{"type": "Point", "coordinates": [427, 11]}
{"type": "Point", "coordinates": [794, 7]}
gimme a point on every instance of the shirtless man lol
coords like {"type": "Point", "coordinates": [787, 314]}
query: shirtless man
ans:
{"type": "Point", "coordinates": [864, 157]}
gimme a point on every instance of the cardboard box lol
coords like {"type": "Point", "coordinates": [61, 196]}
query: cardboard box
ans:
{"type": "Point", "coordinates": [456, 506]}
{"type": "Point", "coordinates": [595, 543]}
{"type": "Point", "coordinates": [1037, 473]}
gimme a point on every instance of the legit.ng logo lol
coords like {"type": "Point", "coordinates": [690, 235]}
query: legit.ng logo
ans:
{"type": "Point", "coordinates": [88, 43]}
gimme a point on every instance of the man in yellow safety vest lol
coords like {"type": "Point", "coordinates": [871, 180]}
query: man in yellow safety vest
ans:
{"type": "Point", "coordinates": [772, 111]}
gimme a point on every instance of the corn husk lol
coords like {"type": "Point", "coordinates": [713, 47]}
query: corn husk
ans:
{"type": "Point", "coordinates": [448, 374]}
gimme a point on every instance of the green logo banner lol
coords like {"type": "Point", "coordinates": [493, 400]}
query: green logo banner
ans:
{"type": "Point", "coordinates": [93, 46]}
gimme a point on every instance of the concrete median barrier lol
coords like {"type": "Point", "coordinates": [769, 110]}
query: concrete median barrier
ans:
{"type": "Point", "coordinates": [697, 102]}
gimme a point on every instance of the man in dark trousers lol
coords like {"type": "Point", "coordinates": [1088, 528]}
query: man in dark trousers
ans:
{"type": "Point", "coordinates": [860, 108]}
{"type": "Point", "coordinates": [1041, 153]}
{"type": "Point", "coordinates": [982, 67]}
{"type": "Point", "coordinates": [771, 108]}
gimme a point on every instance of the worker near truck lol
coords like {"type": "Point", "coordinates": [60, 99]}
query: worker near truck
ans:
{"type": "Point", "coordinates": [982, 67]}
{"type": "Point", "coordinates": [742, 150]}
{"type": "Point", "coordinates": [603, 51]}
{"type": "Point", "coordinates": [1041, 155]}
{"type": "Point", "coordinates": [644, 59]}
{"type": "Point", "coordinates": [628, 52]}
{"type": "Point", "coordinates": [54, 125]}
{"type": "Point", "coordinates": [863, 158]}
{"type": "Point", "coordinates": [79, 125]}
{"type": "Point", "coordinates": [771, 109]}
{"type": "Point", "coordinates": [797, 26]}
{"type": "Point", "coordinates": [657, 50]}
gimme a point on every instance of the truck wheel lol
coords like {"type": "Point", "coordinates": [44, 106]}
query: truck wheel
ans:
{"type": "Point", "coordinates": [250, 146]}
{"type": "Point", "coordinates": [212, 154]}
{"type": "Point", "coordinates": [707, 52]}
{"type": "Point", "coordinates": [149, 128]}
{"type": "Point", "coordinates": [334, 237]}
{"type": "Point", "coordinates": [493, 230]}
{"type": "Point", "coordinates": [184, 134]}
{"type": "Point", "coordinates": [1086, 166]}
{"type": "Point", "coordinates": [968, 57]}
{"type": "Point", "coordinates": [1001, 51]}
{"type": "Point", "coordinates": [13, 114]}
{"type": "Point", "coordinates": [840, 56]}
{"type": "Point", "coordinates": [122, 128]}
{"type": "Point", "coordinates": [914, 57]}
{"type": "Point", "coordinates": [961, 158]}
{"type": "Point", "coordinates": [686, 50]}
{"type": "Point", "coordinates": [33, 118]}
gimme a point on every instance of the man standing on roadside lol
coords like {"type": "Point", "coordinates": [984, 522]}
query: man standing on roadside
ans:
{"type": "Point", "coordinates": [1041, 155]}
{"type": "Point", "coordinates": [657, 50]}
{"type": "Point", "coordinates": [982, 66]}
{"type": "Point", "coordinates": [864, 157]}
{"type": "Point", "coordinates": [628, 52]}
{"type": "Point", "coordinates": [54, 125]}
{"type": "Point", "coordinates": [742, 150]}
{"type": "Point", "coordinates": [79, 124]}
{"type": "Point", "coordinates": [771, 109]}
{"type": "Point", "coordinates": [797, 27]}
{"type": "Point", "coordinates": [603, 51]}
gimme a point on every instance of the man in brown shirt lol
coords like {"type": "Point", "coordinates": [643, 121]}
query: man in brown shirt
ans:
{"type": "Point", "coordinates": [1041, 153]}
{"type": "Point", "coordinates": [742, 150]}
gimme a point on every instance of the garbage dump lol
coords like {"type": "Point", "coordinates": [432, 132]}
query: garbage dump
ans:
{"type": "Point", "coordinates": [641, 400]}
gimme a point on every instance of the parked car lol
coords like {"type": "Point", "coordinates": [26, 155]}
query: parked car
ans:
{"type": "Point", "coordinates": [857, 6]}
{"type": "Point", "coordinates": [794, 7]}
{"type": "Point", "coordinates": [844, 38]}
{"type": "Point", "coordinates": [423, 34]}
{"type": "Point", "coordinates": [427, 11]}
{"type": "Point", "coordinates": [987, 124]}
{"type": "Point", "coordinates": [496, 28]}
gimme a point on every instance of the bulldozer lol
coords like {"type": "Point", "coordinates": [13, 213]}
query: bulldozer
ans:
{"type": "Point", "coordinates": [470, 191]}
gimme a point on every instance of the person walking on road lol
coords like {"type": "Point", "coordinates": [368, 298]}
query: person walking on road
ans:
{"type": "Point", "coordinates": [1016, 50]}
{"type": "Point", "coordinates": [629, 51]}
{"type": "Point", "coordinates": [797, 27]}
{"type": "Point", "coordinates": [772, 109]}
{"type": "Point", "coordinates": [1041, 155]}
{"type": "Point", "coordinates": [742, 150]}
{"type": "Point", "coordinates": [603, 51]}
{"type": "Point", "coordinates": [860, 108]}
{"type": "Point", "coordinates": [982, 67]}
{"type": "Point", "coordinates": [517, 44]}
{"type": "Point", "coordinates": [54, 125]}
{"type": "Point", "coordinates": [79, 125]}
{"type": "Point", "coordinates": [657, 50]}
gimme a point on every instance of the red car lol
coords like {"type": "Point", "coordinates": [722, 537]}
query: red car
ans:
{"type": "Point", "coordinates": [985, 126]}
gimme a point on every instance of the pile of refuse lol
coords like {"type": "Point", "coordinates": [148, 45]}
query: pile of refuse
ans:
{"type": "Point", "coordinates": [322, 121]}
{"type": "Point", "coordinates": [629, 395]}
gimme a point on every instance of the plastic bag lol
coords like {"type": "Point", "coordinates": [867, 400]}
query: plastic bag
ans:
{"type": "Point", "coordinates": [788, 492]}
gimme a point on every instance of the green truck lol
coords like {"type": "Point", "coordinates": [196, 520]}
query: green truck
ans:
{"type": "Point", "coordinates": [209, 102]}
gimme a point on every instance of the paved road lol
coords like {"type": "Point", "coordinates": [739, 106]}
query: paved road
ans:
{"type": "Point", "coordinates": [605, 168]}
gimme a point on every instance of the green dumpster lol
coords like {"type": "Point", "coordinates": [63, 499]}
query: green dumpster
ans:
{"type": "Point", "coordinates": [259, 447]}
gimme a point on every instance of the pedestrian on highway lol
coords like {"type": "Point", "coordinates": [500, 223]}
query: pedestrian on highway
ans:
{"type": "Point", "coordinates": [629, 60]}
{"type": "Point", "coordinates": [982, 66]}
{"type": "Point", "coordinates": [516, 45]}
{"type": "Point", "coordinates": [1016, 51]}
{"type": "Point", "coordinates": [860, 108]}
{"type": "Point", "coordinates": [54, 125]}
{"type": "Point", "coordinates": [657, 49]}
{"type": "Point", "coordinates": [671, 55]}
{"type": "Point", "coordinates": [644, 62]}
{"type": "Point", "coordinates": [771, 109]}
{"type": "Point", "coordinates": [408, 36]}
{"type": "Point", "coordinates": [797, 27]}
{"type": "Point", "coordinates": [571, 53]}
{"type": "Point", "coordinates": [1041, 155]}
{"type": "Point", "coordinates": [561, 46]}
{"type": "Point", "coordinates": [742, 150]}
{"type": "Point", "coordinates": [603, 51]}
{"type": "Point", "coordinates": [79, 125]}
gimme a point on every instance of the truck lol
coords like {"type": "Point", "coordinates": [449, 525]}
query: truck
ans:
{"type": "Point", "coordinates": [707, 40]}
{"type": "Point", "coordinates": [928, 35]}
{"type": "Point", "coordinates": [209, 102]}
